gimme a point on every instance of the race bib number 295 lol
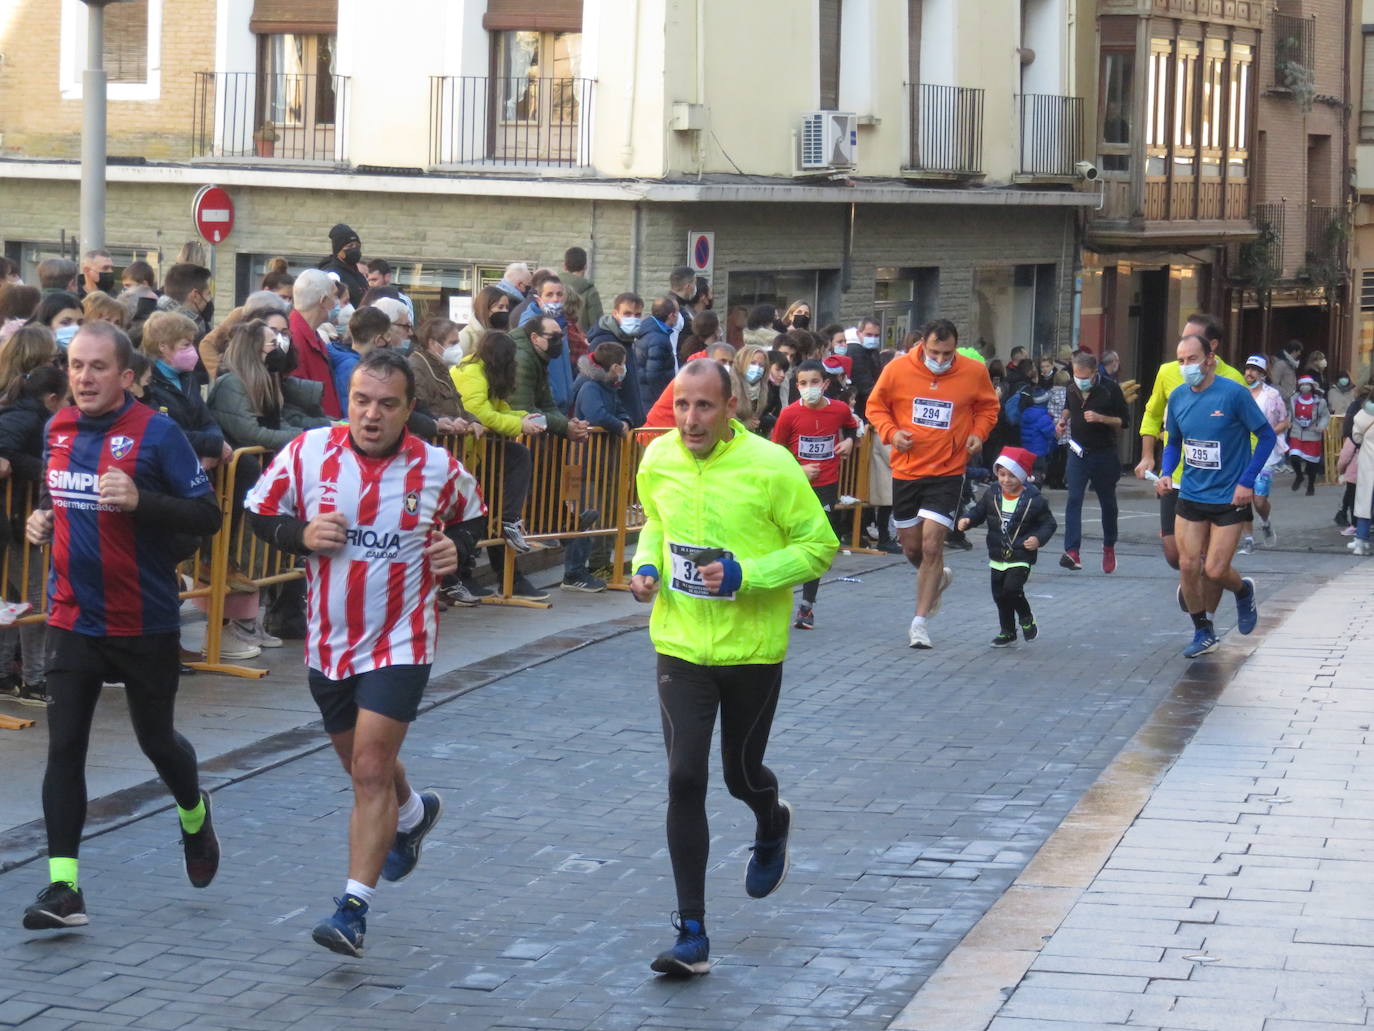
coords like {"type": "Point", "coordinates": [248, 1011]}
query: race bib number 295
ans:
{"type": "Point", "coordinates": [1202, 454]}
{"type": "Point", "coordinates": [932, 413]}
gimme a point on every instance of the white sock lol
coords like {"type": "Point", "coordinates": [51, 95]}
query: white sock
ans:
{"type": "Point", "coordinates": [919, 621]}
{"type": "Point", "coordinates": [359, 890]}
{"type": "Point", "coordinates": [410, 814]}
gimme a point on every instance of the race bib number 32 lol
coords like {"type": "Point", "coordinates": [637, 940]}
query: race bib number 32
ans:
{"type": "Point", "coordinates": [686, 577]}
{"type": "Point", "coordinates": [934, 414]}
{"type": "Point", "coordinates": [1202, 454]}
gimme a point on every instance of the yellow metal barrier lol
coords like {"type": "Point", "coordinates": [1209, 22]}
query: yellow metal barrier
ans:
{"type": "Point", "coordinates": [1331, 446]}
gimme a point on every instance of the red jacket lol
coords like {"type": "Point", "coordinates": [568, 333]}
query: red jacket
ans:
{"type": "Point", "coordinates": [312, 362]}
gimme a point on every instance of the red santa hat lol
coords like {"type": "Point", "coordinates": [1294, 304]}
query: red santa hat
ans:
{"type": "Point", "coordinates": [838, 363]}
{"type": "Point", "coordinates": [1017, 461]}
{"type": "Point", "coordinates": [1308, 379]}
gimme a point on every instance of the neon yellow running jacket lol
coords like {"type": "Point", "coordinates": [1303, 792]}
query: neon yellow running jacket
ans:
{"type": "Point", "coordinates": [750, 498]}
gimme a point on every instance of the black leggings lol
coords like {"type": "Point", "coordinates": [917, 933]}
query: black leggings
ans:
{"type": "Point", "coordinates": [688, 697]}
{"type": "Point", "coordinates": [149, 667]}
{"type": "Point", "coordinates": [1008, 591]}
{"type": "Point", "coordinates": [1301, 467]}
{"type": "Point", "coordinates": [829, 497]}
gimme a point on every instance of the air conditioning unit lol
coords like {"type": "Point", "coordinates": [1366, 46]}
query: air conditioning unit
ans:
{"type": "Point", "coordinates": [829, 139]}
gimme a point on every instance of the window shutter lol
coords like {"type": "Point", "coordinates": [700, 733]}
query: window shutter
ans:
{"type": "Point", "coordinates": [830, 54]}
{"type": "Point", "coordinates": [126, 42]}
{"type": "Point", "coordinates": [534, 15]}
{"type": "Point", "coordinates": [300, 17]}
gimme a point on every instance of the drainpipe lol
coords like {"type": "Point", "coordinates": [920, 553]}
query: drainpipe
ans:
{"type": "Point", "coordinates": [627, 152]}
{"type": "Point", "coordinates": [701, 83]}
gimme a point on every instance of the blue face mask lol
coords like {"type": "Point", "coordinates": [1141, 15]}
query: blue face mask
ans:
{"type": "Point", "coordinates": [553, 307]}
{"type": "Point", "coordinates": [1084, 384]}
{"type": "Point", "coordinates": [1369, 407]}
{"type": "Point", "coordinates": [334, 314]}
{"type": "Point", "coordinates": [871, 343]}
{"type": "Point", "coordinates": [939, 368]}
{"type": "Point", "coordinates": [629, 325]}
{"type": "Point", "coordinates": [1193, 374]}
{"type": "Point", "coordinates": [64, 335]}
{"type": "Point", "coordinates": [754, 373]}
{"type": "Point", "coordinates": [840, 348]}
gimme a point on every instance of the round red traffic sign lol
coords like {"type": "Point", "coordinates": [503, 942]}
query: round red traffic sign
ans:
{"type": "Point", "coordinates": [213, 212]}
{"type": "Point", "coordinates": [701, 253]}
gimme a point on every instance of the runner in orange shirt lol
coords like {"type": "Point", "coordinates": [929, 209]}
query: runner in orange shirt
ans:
{"type": "Point", "coordinates": [935, 407]}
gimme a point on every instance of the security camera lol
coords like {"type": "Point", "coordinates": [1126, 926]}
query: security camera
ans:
{"type": "Point", "coordinates": [1086, 171]}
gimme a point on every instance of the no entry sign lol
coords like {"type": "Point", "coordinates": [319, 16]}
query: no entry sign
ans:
{"type": "Point", "coordinates": [213, 211]}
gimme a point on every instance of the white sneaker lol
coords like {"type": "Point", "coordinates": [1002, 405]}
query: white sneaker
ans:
{"type": "Point", "coordinates": [946, 578]}
{"type": "Point", "coordinates": [1247, 546]}
{"type": "Point", "coordinates": [235, 644]}
{"type": "Point", "coordinates": [257, 633]}
{"type": "Point", "coordinates": [918, 636]}
{"type": "Point", "coordinates": [1361, 547]}
{"type": "Point", "coordinates": [1352, 545]}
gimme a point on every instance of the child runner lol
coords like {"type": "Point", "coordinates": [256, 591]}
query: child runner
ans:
{"type": "Point", "coordinates": [819, 431]}
{"type": "Point", "coordinates": [1020, 523]}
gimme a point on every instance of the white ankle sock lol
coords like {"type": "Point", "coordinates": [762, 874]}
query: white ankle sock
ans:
{"type": "Point", "coordinates": [359, 890]}
{"type": "Point", "coordinates": [410, 814]}
{"type": "Point", "coordinates": [919, 621]}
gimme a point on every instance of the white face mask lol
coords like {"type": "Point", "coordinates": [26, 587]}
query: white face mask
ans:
{"type": "Point", "coordinates": [811, 395]}
{"type": "Point", "coordinates": [453, 354]}
{"type": "Point", "coordinates": [938, 367]}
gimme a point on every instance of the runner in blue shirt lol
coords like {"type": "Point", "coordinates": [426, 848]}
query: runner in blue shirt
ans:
{"type": "Point", "coordinates": [1209, 423]}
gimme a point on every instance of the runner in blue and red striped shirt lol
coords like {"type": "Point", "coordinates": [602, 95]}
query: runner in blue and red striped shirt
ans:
{"type": "Point", "coordinates": [125, 490]}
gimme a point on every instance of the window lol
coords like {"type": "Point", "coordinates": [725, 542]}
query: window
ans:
{"type": "Point", "coordinates": [1185, 109]}
{"type": "Point", "coordinates": [1118, 94]}
{"type": "Point", "coordinates": [132, 53]}
{"type": "Point", "coordinates": [782, 288]}
{"type": "Point", "coordinates": [1238, 124]}
{"type": "Point", "coordinates": [298, 83]}
{"type": "Point", "coordinates": [1157, 128]}
{"type": "Point", "coordinates": [829, 37]}
{"type": "Point", "coordinates": [537, 97]}
{"type": "Point", "coordinates": [1367, 91]}
{"type": "Point", "coordinates": [1014, 306]}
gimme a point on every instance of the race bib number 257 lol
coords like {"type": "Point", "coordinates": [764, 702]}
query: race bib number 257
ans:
{"type": "Point", "coordinates": [931, 413]}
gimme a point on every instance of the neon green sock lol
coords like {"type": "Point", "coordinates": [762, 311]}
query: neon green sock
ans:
{"type": "Point", "coordinates": [60, 869]}
{"type": "Point", "coordinates": [192, 820]}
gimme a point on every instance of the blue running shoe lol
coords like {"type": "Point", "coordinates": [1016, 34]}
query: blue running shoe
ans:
{"type": "Point", "coordinates": [405, 850]}
{"type": "Point", "coordinates": [769, 861]}
{"type": "Point", "coordinates": [1246, 613]}
{"type": "Point", "coordinates": [691, 954]}
{"type": "Point", "coordinates": [1204, 641]}
{"type": "Point", "coordinates": [343, 932]}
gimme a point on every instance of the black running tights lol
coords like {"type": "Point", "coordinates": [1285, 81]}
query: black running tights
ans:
{"type": "Point", "coordinates": [149, 667]}
{"type": "Point", "coordinates": [688, 697]}
{"type": "Point", "coordinates": [1008, 591]}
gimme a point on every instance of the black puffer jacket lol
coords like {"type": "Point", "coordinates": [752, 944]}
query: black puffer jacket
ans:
{"type": "Point", "coordinates": [182, 403]}
{"type": "Point", "coordinates": [1007, 535]}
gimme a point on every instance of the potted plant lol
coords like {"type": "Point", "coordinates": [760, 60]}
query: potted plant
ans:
{"type": "Point", "coordinates": [265, 140]}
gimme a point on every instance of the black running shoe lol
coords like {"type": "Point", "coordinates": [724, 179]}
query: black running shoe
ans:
{"type": "Point", "coordinates": [1029, 631]}
{"type": "Point", "coordinates": [59, 905]}
{"type": "Point", "coordinates": [1003, 639]}
{"type": "Point", "coordinates": [202, 850]}
{"type": "Point", "coordinates": [806, 619]}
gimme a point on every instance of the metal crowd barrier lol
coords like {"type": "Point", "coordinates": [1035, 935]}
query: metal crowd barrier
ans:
{"type": "Point", "coordinates": [583, 489]}
{"type": "Point", "coordinates": [1331, 446]}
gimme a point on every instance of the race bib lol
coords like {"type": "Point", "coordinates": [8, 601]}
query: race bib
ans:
{"type": "Point", "coordinates": [686, 577]}
{"type": "Point", "coordinates": [1076, 447]}
{"type": "Point", "coordinates": [931, 413]}
{"type": "Point", "coordinates": [1202, 454]}
{"type": "Point", "coordinates": [816, 449]}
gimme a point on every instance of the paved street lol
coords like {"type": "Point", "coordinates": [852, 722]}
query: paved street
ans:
{"type": "Point", "coordinates": [923, 783]}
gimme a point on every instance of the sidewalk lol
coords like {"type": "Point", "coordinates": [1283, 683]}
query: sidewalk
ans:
{"type": "Point", "coordinates": [1234, 891]}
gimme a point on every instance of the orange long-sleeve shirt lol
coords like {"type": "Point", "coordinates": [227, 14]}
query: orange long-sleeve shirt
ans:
{"type": "Point", "coordinates": [940, 412]}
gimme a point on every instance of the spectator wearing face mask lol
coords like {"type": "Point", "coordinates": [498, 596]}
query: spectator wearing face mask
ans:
{"type": "Point", "coordinates": [1314, 365]}
{"type": "Point", "coordinates": [169, 342]}
{"type": "Point", "coordinates": [797, 316]}
{"type": "Point", "coordinates": [596, 393]}
{"type": "Point", "coordinates": [97, 272]}
{"type": "Point", "coordinates": [255, 399]}
{"type": "Point", "coordinates": [865, 339]}
{"type": "Point", "coordinates": [515, 282]}
{"type": "Point", "coordinates": [346, 252]}
{"type": "Point", "coordinates": [490, 310]}
{"type": "Point", "coordinates": [1341, 395]}
{"type": "Point", "coordinates": [187, 290]}
{"type": "Point", "coordinates": [624, 325]}
{"type": "Point", "coordinates": [314, 300]}
{"type": "Point", "coordinates": [751, 365]}
{"type": "Point", "coordinates": [548, 303]}
{"type": "Point", "coordinates": [682, 288]}
{"type": "Point", "coordinates": [60, 312]}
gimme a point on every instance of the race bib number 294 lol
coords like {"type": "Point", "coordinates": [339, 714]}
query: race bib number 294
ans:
{"type": "Point", "coordinates": [932, 413]}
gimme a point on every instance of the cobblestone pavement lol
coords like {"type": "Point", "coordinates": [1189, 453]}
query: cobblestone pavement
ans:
{"type": "Point", "coordinates": [923, 783]}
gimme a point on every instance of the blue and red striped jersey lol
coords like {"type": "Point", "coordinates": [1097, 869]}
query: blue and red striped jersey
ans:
{"type": "Point", "coordinates": [111, 575]}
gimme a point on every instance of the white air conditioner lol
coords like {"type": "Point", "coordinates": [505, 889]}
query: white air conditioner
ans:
{"type": "Point", "coordinates": [829, 139]}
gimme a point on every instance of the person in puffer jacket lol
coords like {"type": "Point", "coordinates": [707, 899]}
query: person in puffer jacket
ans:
{"type": "Point", "coordinates": [1037, 430]}
{"type": "Point", "coordinates": [596, 393]}
{"type": "Point", "coordinates": [624, 325]}
{"type": "Point", "coordinates": [654, 349]}
{"type": "Point", "coordinates": [1020, 523]}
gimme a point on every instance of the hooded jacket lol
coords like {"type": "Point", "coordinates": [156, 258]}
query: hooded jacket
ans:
{"type": "Point", "coordinates": [654, 357]}
{"type": "Point", "coordinates": [1031, 518]}
{"type": "Point", "coordinates": [1037, 430]}
{"type": "Point", "coordinates": [470, 377]}
{"type": "Point", "coordinates": [533, 391]}
{"type": "Point", "coordinates": [750, 497]}
{"type": "Point", "coordinates": [597, 400]}
{"type": "Point", "coordinates": [607, 328]}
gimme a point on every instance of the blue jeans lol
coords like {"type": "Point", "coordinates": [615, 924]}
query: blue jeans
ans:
{"type": "Point", "coordinates": [1100, 468]}
{"type": "Point", "coordinates": [1361, 529]}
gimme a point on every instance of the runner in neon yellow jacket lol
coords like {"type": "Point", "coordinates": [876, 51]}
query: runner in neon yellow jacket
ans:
{"type": "Point", "coordinates": [750, 498]}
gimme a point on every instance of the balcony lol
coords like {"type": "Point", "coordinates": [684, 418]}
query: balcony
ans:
{"type": "Point", "coordinates": [1295, 53]}
{"type": "Point", "coordinates": [494, 123]}
{"type": "Point", "coordinates": [1325, 259]}
{"type": "Point", "coordinates": [1229, 12]}
{"type": "Point", "coordinates": [1051, 135]}
{"type": "Point", "coordinates": [274, 117]}
{"type": "Point", "coordinates": [1259, 265]}
{"type": "Point", "coordinates": [946, 132]}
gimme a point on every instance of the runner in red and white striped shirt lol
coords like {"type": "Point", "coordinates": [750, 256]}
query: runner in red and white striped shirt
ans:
{"type": "Point", "coordinates": [367, 504]}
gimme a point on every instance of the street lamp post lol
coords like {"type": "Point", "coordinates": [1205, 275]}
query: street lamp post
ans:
{"type": "Point", "coordinates": [93, 128]}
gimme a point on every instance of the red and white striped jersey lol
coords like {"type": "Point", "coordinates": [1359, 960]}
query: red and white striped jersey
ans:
{"type": "Point", "coordinates": [372, 603]}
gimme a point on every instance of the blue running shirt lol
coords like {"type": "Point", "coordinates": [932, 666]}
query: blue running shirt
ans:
{"type": "Point", "coordinates": [1213, 427]}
